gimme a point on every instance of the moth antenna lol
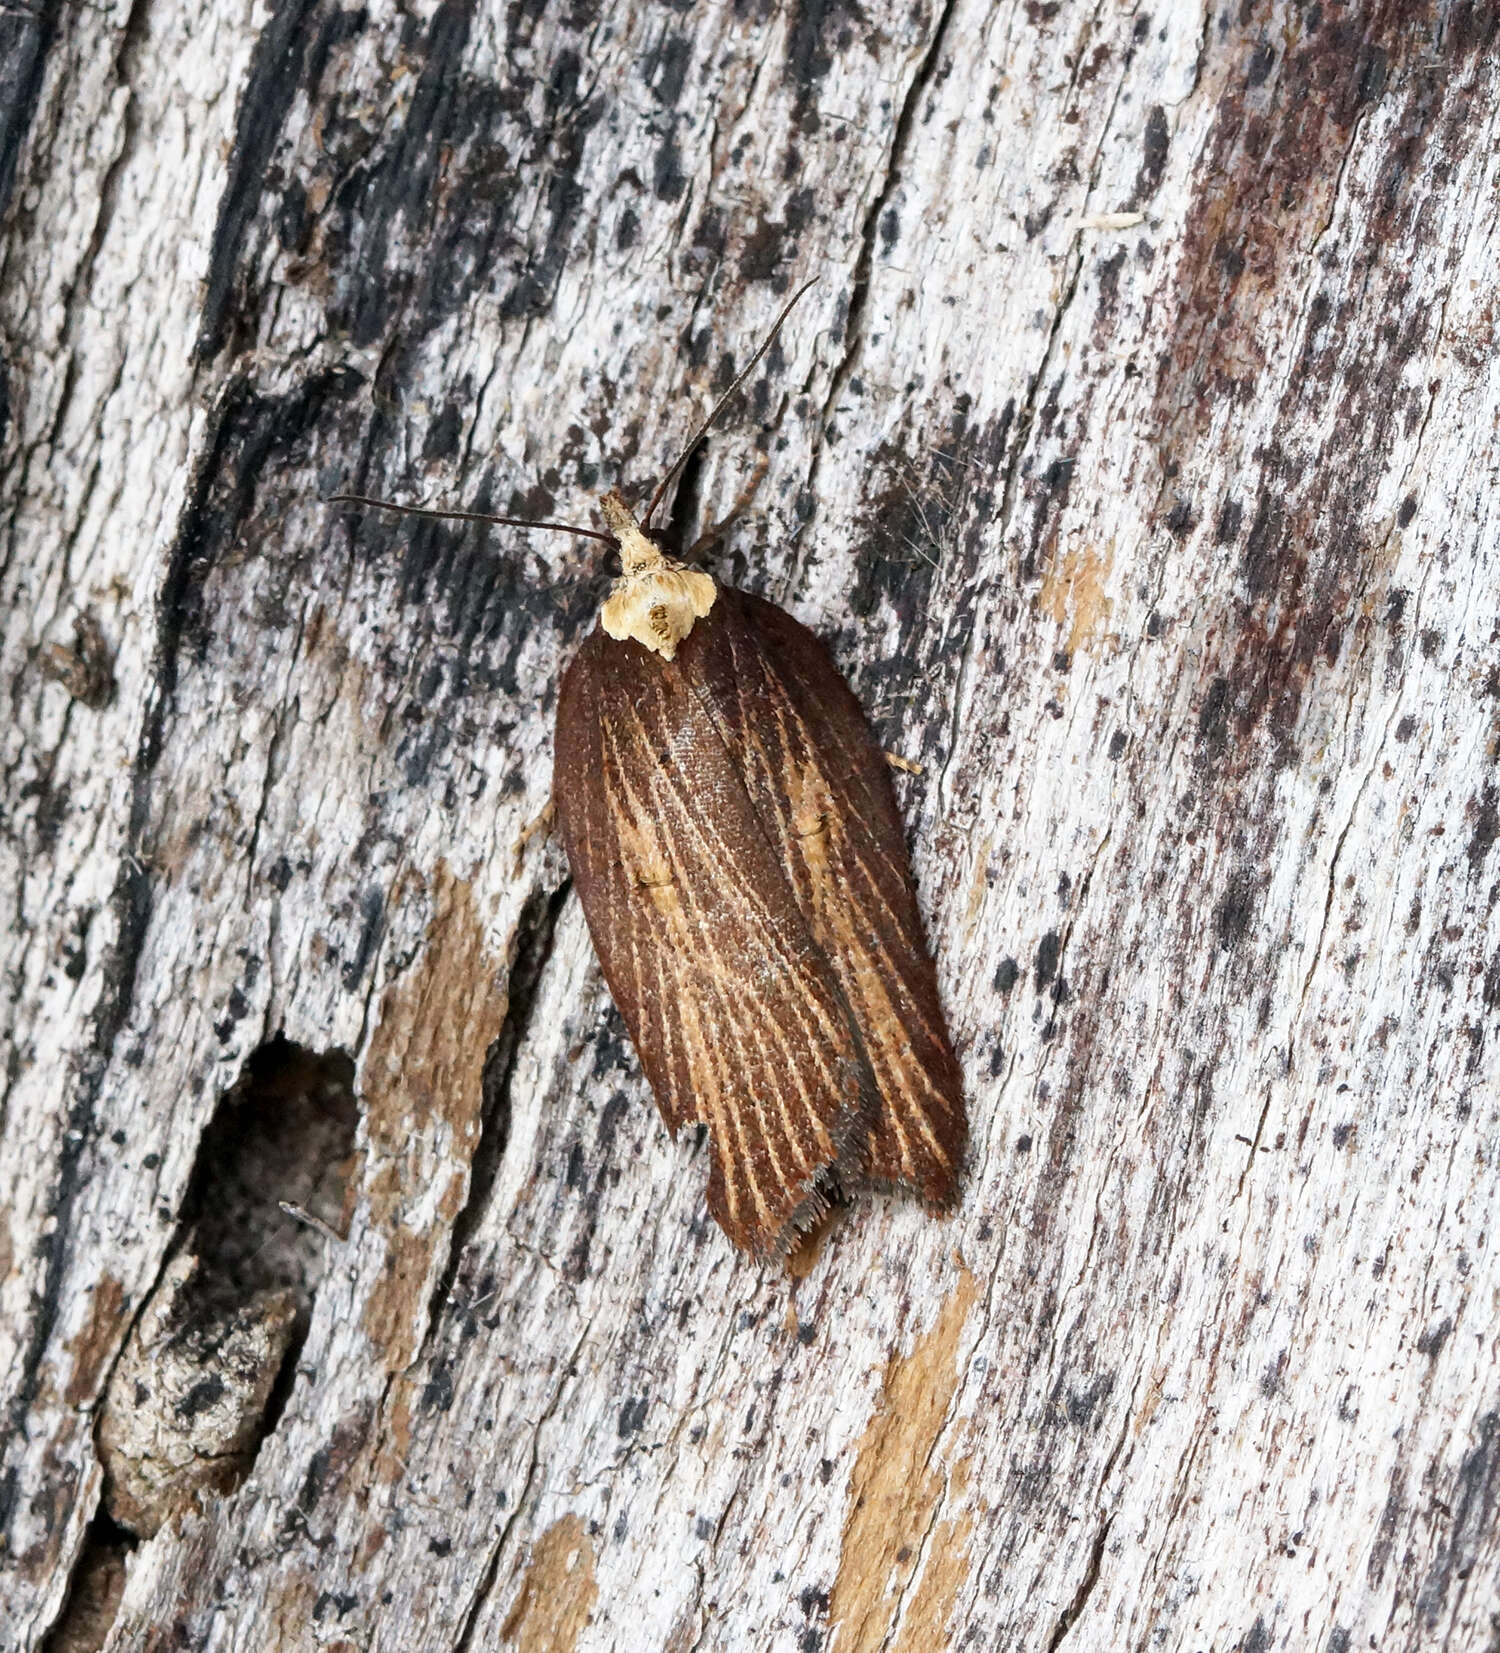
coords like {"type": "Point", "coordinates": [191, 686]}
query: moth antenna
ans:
{"type": "Point", "coordinates": [465, 516]}
{"type": "Point", "coordinates": [719, 406]}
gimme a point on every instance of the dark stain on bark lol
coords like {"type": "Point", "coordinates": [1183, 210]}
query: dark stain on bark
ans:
{"type": "Point", "coordinates": [1257, 1639]}
{"type": "Point", "coordinates": [665, 67]}
{"type": "Point", "coordinates": [1431, 1341]}
{"type": "Point", "coordinates": [437, 1392]}
{"type": "Point", "coordinates": [668, 180]}
{"type": "Point", "coordinates": [1492, 982]}
{"type": "Point", "coordinates": [905, 521]}
{"type": "Point", "coordinates": [818, 31]}
{"type": "Point", "coordinates": [930, 498]}
{"type": "Point", "coordinates": [772, 244]}
{"type": "Point", "coordinates": [1155, 142]}
{"type": "Point", "coordinates": [372, 914]}
{"type": "Point", "coordinates": [1109, 294]}
{"type": "Point", "coordinates": [1231, 517]}
{"type": "Point", "coordinates": [1471, 1532]}
{"type": "Point", "coordinates": [1485, 815]}
{"type": "Point", "coordinates": [1081, 1406]}
{"type": "Point", "coordinates": [1213, 718]}
{"type": "Point", "coordinates": [253, 434]}
{"type": "Point", "coordinates": [1283, 128]}
{"type": "Point", "coordinates": [1180, 520]}
{"type": "Point", "coordinates": [277, 67]}
{"type": "Point", "coordinates": [1387, 1527]}
{"type": "Point", "coordinates": [478, 601]}
{"type": "Point", "coordinates": [427, 201]}
{"type": "Point", "coordinates": [26, 36]}
{"type": "Point", "coordinates": [1235, 913]}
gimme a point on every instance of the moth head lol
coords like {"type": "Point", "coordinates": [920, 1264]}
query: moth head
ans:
{"type": "Point", "coordinates": [655, 600]}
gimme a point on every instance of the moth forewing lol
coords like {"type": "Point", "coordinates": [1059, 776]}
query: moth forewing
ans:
{"type": "Point", "coordinates": [735, 1015]}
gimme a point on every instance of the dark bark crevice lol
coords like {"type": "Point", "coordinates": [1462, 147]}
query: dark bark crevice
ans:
{"type": "Point", "coordinates": [535, 934]}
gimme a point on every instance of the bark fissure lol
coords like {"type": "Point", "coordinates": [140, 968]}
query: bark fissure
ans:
{"type": "Point", "coordinates": [532, 947]}
{"type": "Point", "coordinates": [859, 285]}
{"type": "Point", "coordinates": [132, 34]}
{"type": "Point", "coordinates": [1071, 1614]}
{"type": "Point", "coordinates": [491, 1574]}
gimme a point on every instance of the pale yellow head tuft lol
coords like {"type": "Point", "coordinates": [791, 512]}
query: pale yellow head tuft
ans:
{"type": "Point", "coordinates": [655, 600]}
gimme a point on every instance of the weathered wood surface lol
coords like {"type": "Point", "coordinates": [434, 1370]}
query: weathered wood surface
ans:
{"type": "Point", "coordinates": [1167, 548]}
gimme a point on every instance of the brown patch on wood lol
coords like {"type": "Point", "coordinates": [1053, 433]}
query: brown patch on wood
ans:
{"type": "Point", "coordinates": [86, 670]}
{"type": "Point", "coordinates": [394, 1445]}
{"type": "Point", "coordinates": [453, 1196]}
{"type": "Point", "coordinates": [979, 881]}
{"type": "Point", "coordinates": [924, 1626]}
{"type": "Point", "coordinates": [896, 1490]}
{"type": "Point", "coordinates": [393, 1313]}
{"type": "Point", "coordinates": [558, 1592]}
{"type": "Point", "coordinates": [1073, 594]}
{"type": "Point", "coordinates": [370, 1546]}
{"type": "Point", "coordinates": [426, 1053]}
{"type": "Point", "coordinates": [93, 1346]}
{"type": "Point", "coordinates": [424, 1070]}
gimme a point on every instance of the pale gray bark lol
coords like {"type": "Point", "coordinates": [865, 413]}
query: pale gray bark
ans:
{"type": "Point", "coordinates": [1135, 452]}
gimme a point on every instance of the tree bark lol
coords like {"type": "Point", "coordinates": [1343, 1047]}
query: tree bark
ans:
{"type": "Point", "coordinates": [1134, 453]}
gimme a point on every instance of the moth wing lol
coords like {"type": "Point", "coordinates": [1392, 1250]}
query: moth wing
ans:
{"type": "Point", "coordinates": [732, 1006]}
{"type": "Point", "coordinates": [815, 776]}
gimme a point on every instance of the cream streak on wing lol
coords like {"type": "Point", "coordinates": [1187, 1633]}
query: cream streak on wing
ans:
{"type": "Point", "coordinates": [899, 1074]}
{"type": "Point", "coordinates": [868, 982]}
{"type": "Point", "coordinates": [747, 1032]}
{"type": "Point", "coordinates": [727, 980]}
{"type": "Point", "coordinates": [675, 1014]}
{"type": "Point", "coordinates": [717, 853]}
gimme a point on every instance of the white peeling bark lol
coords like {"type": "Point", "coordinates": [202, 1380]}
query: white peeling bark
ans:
{"type": "Point", "coordinates": [1134, 452]}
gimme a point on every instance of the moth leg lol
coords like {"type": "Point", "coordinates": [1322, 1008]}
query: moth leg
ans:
{"type": "Point", "coordinates": [540, 824]}
{"type": "Point", "coordinates": [738, 509]}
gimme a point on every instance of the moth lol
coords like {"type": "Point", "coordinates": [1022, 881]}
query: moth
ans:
{"type": "Point", "coordinates": [735, 844]}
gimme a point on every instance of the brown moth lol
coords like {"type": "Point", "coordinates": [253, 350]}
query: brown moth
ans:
{"type": "Point", "coordinates": [735, 844]}
{"type": "Point", "coordinates": [734, 840]}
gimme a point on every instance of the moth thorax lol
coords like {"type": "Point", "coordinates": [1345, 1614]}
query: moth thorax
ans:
{"type": "Point", "coordinates": [655, 600]}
